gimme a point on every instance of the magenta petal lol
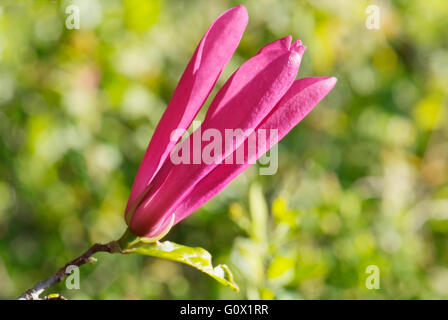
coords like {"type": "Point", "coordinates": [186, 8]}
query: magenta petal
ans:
{"type": "Point", "coordinates": [211, 56]}
{"type": "Point", "coordinates": [300, 99]}
{"type": "Point", "coordinates": [268, 75]}
{"type": "Point", "coordinates": [243, 102]}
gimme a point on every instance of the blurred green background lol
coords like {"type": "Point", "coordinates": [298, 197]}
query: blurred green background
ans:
{"type": "Point", "coordinates": [361, 181]}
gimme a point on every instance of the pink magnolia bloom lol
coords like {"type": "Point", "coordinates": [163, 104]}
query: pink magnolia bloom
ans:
{"type": "Point", "coordinates": [261, 94]}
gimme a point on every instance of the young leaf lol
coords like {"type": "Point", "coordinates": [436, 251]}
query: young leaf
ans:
{"type": "Point", "coordinates": [198, 258]}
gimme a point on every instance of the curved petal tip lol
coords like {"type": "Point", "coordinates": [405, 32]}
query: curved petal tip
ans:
{"type": "Point", "coordinates": [240, 11]}
{"type": "Point", "coordinates": [330, 81]}
{"type": "Point", "coordinates": [297, 49]}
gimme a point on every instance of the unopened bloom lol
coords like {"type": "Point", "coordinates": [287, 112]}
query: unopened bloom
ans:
{"type": "Point", "coordinates": [261, 95]}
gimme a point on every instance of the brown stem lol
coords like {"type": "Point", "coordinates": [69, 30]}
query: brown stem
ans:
{"type": "Point", "coordinates": [86, 257]}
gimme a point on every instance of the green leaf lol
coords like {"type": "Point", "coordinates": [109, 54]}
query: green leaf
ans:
{"type": "Point", "coordinates": [259, 213]}
{"type": "Point", "coordinates": [198, 258]}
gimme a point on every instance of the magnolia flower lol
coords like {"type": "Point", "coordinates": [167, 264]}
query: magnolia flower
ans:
{"type": "Point", "coordinates": [261, 95]}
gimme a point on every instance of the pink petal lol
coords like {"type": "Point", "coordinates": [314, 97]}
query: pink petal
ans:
{"type": "Point", "coordinates": [243, 102]}
{"type": "Point", "coordinates": [301, 98]}
{"type": "Point", "coordinates": [212, 54]}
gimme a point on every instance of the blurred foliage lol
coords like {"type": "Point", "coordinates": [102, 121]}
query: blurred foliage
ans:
{"type": "Point", "coordinates": [361, 181]}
